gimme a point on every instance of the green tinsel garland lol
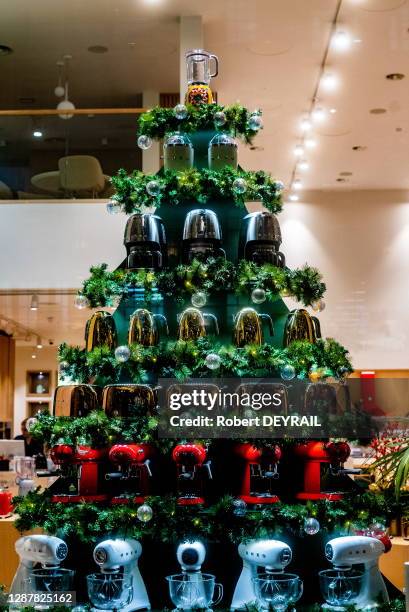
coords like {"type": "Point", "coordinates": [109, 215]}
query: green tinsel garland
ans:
{"type": "Point", "coordinates": [214, 276]}
{"type": "Point", "coordinates": [180, 359]}
{"type": "Point", "coordinates": [159, 122]}
{"type": "Point", "coordinates": [195, 185]}
{"type": "Point", "coordinates": [219, 522]}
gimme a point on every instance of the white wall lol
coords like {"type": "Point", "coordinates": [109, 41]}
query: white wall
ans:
{"type": "Point", "coordinates": [46, 360]}
{"type": "Point", "coordinates": [360, 242]}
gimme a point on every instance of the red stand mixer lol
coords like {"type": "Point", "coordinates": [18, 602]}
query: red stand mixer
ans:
{"type": "Point", "coordinates": [191, 466]}
{"type": "Point", "coordinates": [260, 472]}
{"type": "Point", "coordinates": [323, 462]}
{"type": "Point", "coordinates": [82, 471]}
{"type": "Point", "coordinates": [133, 471]}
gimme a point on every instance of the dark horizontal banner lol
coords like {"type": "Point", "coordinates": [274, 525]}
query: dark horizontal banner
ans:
{"type": "Point", "coordinates": [270, 408]}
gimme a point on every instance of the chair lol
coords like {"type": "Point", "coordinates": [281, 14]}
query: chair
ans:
{"type": "Point", "coordinates": [81, 175]}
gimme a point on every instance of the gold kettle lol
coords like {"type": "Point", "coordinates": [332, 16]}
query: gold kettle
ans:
{"type": "Point", "coordinates": [192, 324]}
{"type": "Point", "coordinates": [75, 400]}
{"type": "Point", "coordinates": [300, 325]}
{"type": "Point", "coordinates": [100, 331]}
{"type": "Point", "coordinates": [143, 328]}
{"type": "Point", "coordinates": [248, 327]}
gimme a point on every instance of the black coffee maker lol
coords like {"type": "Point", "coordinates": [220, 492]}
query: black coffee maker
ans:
{"type": "Point", "coordinates": [260, 239]}
{"type": "Point", "coordinates": [202, 236]}
{"type": "Point", "coordinates": [145, 242]}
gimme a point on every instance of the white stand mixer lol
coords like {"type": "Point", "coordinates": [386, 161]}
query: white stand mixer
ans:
{"type": "Point", "coordinates": [118, 558]}
{"type": "Point", "coordinates": [47, 550]}
{"type": "Point", "coordinates": [272, 555]}
{"type": "Point", "coordinates": [191, 556]}
{"type": "Point", "coordinates": [348, 551]}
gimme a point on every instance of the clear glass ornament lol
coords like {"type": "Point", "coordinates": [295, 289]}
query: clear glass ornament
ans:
{"type": "Point", "coordinates": [144, 513]}
{"type": "Point", "coordinates": [199, 299]}
{"type": "Point", "coordinates": [81, 302]}
{"type": "Point", "coordinates": [144, 142]}
{"type": "Point", "coordinates": [31, 422]}
{"type": "Point", "coordinates": [122, 354]}
{"type": "Point", "coordinates": [258, 295]}
{"type": "Point", "coordinates": [311, 526]}
{"type": "Point", "coordinates": [180, 111]}
{"type": "Point", "coordinates": [213, 361]}
{"type": "Point", "coordinates": [318, 305]}
{"type": "Point", "coordinates": [255, 122]}
{"type": "Point", "coordinates": [239, 186]}
{"type": "Point", "coordinates": [280, 185]}
{"type": "Point", "coordinates": [240, 507]}
{"type": "Point", "coordinates": [153, 188]}
{"type": "Point", "coordinates": [287, 372]}
{"type": "Point", "coordinates": [113, 207]}
{"type": "Point", "coordinates": [219, 118]}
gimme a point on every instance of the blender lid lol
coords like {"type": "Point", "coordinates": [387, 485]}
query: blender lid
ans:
{"type": "Point", "coordinates": [178, 139]}
{"type": "Point", "coordinates": [223, 139]}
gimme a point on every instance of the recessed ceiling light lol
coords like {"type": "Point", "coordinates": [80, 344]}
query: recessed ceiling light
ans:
{"type": "Point", "coordinates": [5, 50]}
{"type": "Point", "coordinates": [395, 76]}
{"type": "Point", "coordinates": [37, 134]}
{"type": "Point", "coordinates": [357, 41]}
{"type": "Point", "coordinates": [297, 184]}
{"type": "Point", "coordinates": [298, 150]}
{"type": "Point", "coordinates": [341, 41]}
{"type": "Point", "coordinates": [303, 164]}
{"type": "Point", "coordinates": [305, 124]}
{"type": "Point", "coordinates": [332, 111]}
{"type": "Point", "coordinates": [329, 81]}
{"type": "Point", "coordinates": [318, 114]}
{"type": "Point", "coordinates": [377, 111]}
{"type": "Point", "coordinates": [293, 197]}
{"type": "Point", "coordinates": [33, 356]}
{"type": "Point", "coordinates": [310, 143]}
{"type": "Point", "coordinates": [97, 49]}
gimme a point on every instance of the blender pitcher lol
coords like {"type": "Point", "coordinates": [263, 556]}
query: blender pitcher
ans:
{"type": "Point", "coordinates": [199, 75]}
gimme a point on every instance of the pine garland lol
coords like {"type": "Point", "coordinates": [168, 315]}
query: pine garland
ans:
{"type": "Point", "coordinates": [214, 276]}
{"type": "Point", "coordinates": [195, 185]}
{"type": "Point", "coordinates": [159, 122]}
{"type": "Point", "coordinates": [219, 522]}
{"type": "Point", "coordinates": [180, 359]}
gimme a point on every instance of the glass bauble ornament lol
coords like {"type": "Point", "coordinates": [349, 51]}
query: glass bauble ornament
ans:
{"type": "Point", "coordinates": [64, 366]}
{"type": "Point", "coordinates": [81, 302]}
{"type": "Point", "coordinates": [311, 526]}
{"type": "Point", "coordinates": [153, 188]}
{"type": "Point", "coordinates": [255, 122]}
{"type": "Point", "coordinates": [122, 354]}
{"type": "Point", "coordinates": [287, 372]}
{"type": "Point", "coordinates": [113, 207]}
{"type": "Point", "coordinates": [213, 361]}
{"type": "Point", "coordinates": [239, 507]}
{"type": "Point", "coordinates": [377, 529]}
{"type": "Point", "coordinates": [219, 118]}
{"type": "Point", "coordinates": [258, 296]}
{"type": "Point", "coordinates": [144, 142]}
{"type": "Point", "coordinates": [31, 422]}
{"type": "Point", "coordinates": [180, 111]}
{"type": "Point", "coordinates": [199, 299]}
{"type": "Point", "coordinates": [314, 374]}
{"type": "Point", "coordinates": [144, 513]}
{"type": "Point", "coordinates": [280, 185]}
{"type": "Point", "coordinates": [318, 305]}
{"type": "Point", "coordinates": [239, 186]}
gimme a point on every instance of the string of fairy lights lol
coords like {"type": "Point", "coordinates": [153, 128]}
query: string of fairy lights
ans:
{"type": "Point", "coordinates": [340, 40]}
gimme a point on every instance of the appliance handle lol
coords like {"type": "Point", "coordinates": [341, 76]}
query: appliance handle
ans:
{"type": "Point", "coordinates": [216, 66]}
{"type": "Point", "coordinates": [218, 593]}
{"type": "Point", "coordinates": [317, 326]}
{"type": "Point", "coordinates": [163, 320]}
{"type": "Point", "coordinates": [269, 320]}
{"type": "Point", "coordinates": [207, 465]}
{"type": "Point", "coordinates": [147, 464]}
{"type": "Point", "coordinates": [207, 315]}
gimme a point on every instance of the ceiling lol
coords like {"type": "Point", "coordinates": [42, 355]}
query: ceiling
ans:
{"type": "Point", "coordinates": [270, 54]}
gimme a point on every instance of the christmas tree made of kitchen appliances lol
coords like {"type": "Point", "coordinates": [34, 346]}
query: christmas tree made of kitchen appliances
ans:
{"type": "Point", "coordinates": [199, 294]}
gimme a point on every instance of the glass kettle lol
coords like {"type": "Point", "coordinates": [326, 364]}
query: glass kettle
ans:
{"type": "Point", "coordinates": [198, 66]}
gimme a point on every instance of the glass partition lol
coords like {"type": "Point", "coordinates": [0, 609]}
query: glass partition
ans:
{"type": "Point", "coordinates": [47, 157]}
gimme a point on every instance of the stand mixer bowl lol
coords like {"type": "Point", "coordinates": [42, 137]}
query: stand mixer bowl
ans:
{"type": "Point", "coordinates": [109, 591]}
{"type": "Point", "coordinates": [277, 590]}
{"type": "Point", "coordinates": [194, 592]}
{"type": "Point", "coordinates": [340, 587]}
{"type": "Point", "coordinates": [50, 580]}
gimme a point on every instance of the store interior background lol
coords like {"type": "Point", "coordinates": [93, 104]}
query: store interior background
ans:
{"type": "Point", "coordinates": [352, 217]}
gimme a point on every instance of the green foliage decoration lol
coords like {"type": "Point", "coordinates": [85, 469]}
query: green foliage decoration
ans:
{"type": "Point", "coordinates": [182, 359]}
{"type": "Point", "coordinates": [216, 275]}
{"type": "Point", "coordinates": [158, 122]}
{"type": "Point", "coordinates": [219, 522]}
{"type": "Point", "coordinates": [195, 185]}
